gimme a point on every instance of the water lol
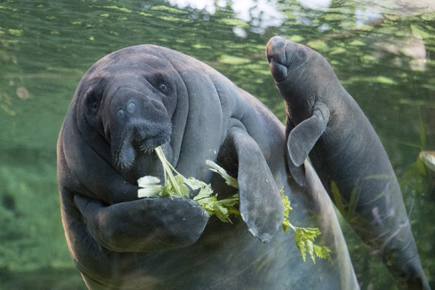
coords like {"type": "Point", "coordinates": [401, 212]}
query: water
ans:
{"type": "Point", "coordinates": [382, 53]}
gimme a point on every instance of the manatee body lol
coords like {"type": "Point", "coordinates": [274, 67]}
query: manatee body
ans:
{"type": "Point", "coordinates": [324, 122]}
{"type": "Point", "coordinates": [144, 96]}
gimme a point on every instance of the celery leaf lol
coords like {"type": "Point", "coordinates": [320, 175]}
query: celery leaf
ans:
{"type": "Point", "coordinates": [178, 185]}
{"type": "Point", "coordinates": [231, 181]}
{"type": "Point", "coordinates": [304, 237]}
{"type": "Point", "coordinates": [150, 186]}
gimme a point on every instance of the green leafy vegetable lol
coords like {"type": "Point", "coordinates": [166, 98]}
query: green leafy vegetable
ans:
{"type": "Point", "coordinates": [150, 186]}
{"type": "Point", "coordinates": [178, 185]}
{"type": "Point", "coordinates": [286, 202]}
{"type": "Point", "coordinates": [304, 237]}
{"type": "Point", "coordinates": [322, 252]}
{"type": "Point", "coordinates": [231, 181]}
{"type": "Point", "coordinates": [174, 185]}
{"type": "Point", "coordinates": [221, 208]}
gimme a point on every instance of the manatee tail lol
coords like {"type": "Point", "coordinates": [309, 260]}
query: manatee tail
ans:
{"type": "Point", "coordinates": [382, 223]}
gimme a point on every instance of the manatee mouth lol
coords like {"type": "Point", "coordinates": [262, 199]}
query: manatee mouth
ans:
{"type": "Point", "coordinates": [139, 140]}
{"type": "Point", "coordinates": [279, 71]}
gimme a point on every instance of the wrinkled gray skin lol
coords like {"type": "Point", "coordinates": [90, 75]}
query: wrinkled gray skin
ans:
{"type": "Point", "coordinates": [324, 121]}
{"type": "Point", "coordinates": [144, 96]}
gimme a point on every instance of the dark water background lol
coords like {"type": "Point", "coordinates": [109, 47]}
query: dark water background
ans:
{"type": "Point", "coordinates": [384, 54]}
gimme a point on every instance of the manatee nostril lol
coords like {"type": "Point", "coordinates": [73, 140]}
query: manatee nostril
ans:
{"type": "Point", "coordinates": [131, 107]}
{"type": "Point", "coordinates": [121, 113]}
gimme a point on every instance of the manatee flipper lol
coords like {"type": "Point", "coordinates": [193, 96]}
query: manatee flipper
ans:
{"type": "Point", "coordinates": [261, 206]}
{"type": "Point", "coordinates": [297, 172]}
{"type": "Point", "coordinates": [149, 224]}
{"type": "Point", "coordinates": [304, 136]}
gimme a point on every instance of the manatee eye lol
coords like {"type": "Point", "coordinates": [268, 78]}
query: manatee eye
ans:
{"type": "Point", "coordinates": [94, 106]}
{"type": "Point", "coordinates": [163, 88]}
{"type": "Point", "coordinates": [92, 101]}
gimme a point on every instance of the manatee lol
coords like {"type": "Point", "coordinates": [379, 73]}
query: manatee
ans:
{"type": "Point", "coordinates": [145, 96]}
{"type": "Point", "coordinates": [325, 123]}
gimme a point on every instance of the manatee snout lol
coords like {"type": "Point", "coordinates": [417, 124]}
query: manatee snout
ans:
{"type": "Point", "coordinates": [279, 54]}
{"type": "Point", "coordinates": [131, 103]}
{"type": "Point", "coordinates": [138, 123]}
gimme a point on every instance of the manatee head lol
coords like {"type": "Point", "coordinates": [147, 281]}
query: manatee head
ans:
{"type": "Point", "coordinates": [129, 98]}
{"type": "Point", "coordinates": [302, 75]}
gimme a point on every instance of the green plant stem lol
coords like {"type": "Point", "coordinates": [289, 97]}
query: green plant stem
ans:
{"type": "Point", "coordinates": [167, 169]}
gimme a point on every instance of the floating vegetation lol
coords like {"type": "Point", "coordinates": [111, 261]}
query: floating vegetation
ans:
{"type": "Point", "coordinates": [234, 60]}
{"type": "Point", "coordinates": [15, 32]}
{"type": "Point", "coordinates": [318, 45]}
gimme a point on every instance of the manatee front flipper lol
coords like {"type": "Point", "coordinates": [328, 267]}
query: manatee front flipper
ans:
{"type": "Point", "coordinates": [261, 206]}
{"type": "Point", "coordinates": [304, 136]}
{"type": "Point", "coordinates": [144, 225]}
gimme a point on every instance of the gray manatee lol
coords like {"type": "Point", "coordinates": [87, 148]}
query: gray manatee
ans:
{"type": "Point", "coordinates": [324, 122]}
{"type": "Point", "coordinates": [145, 96]}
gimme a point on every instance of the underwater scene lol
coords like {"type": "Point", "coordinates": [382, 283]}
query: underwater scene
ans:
{"type": "Point", "coordinates": [383, 53]}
